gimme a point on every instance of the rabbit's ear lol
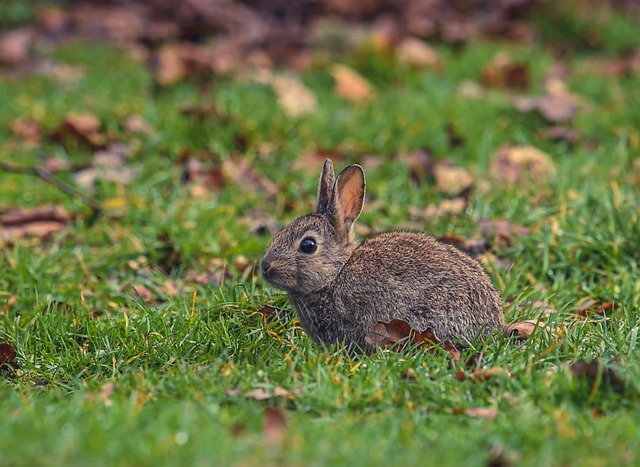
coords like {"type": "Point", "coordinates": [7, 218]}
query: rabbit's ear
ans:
{"type": "Point", "coordinates": [349, 197]}
{"type": "Point", "coordinates": [325, 189]}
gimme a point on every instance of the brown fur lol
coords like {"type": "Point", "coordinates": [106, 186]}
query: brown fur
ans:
{"type": "Point", "coordinates": [343, 288]}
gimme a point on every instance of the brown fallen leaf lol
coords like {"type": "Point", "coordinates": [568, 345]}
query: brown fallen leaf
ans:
{"type": "Point", "coordinates": [446, 207]}
{"type": "Point", "coordinates": [398, 333]}
{"type": "Point", "coordinates": [137, 124]}
{"type": "Point", "coordinates": [103, 394]}
{"type": "Point", "coordinates": [29, 131]}
{"type": "Point", "coordinates": [261, 394]}
{"type": "Point", "coordinates": [501, 231]}
{"type": "Point", "coordinates": [420, 165]}
{"type": "Point", "coordinates": [589, 306]}
{"type": "Point", "coordinates": [521, 330]}
{"type": "Point", "coordinates": [241, 172]}
{"type": "Point", "coordinates": [85, 127]}
{"type": "Point", "coordinates": [521, 165]}
{"type": "Point", "coordinates": [473, 247]}
{"type": "Point", "coordinates": [109, 164]}
{"type": "Point", "coordinates": [485, 374]}
{"type": "Point", "coordinates": [558, 105]}
{"type": "Point", "coordinates": [595, 370]}
{"type": "Point", "coordinates": [418, 54]}
{"type": "Point", "coordinates": [562, 133]}
{"type": "Point", "coordinates": [274, 425]}
{"type": "Point", "coordinates": [451, 179]}
{"type": "Point", "coordinates": [293, 96]}
{"type": "Point", "coordinates": [351, 85]}
{"type": "Point", "coordinates": [15, 45]}
{"type": "Point", "coordinates": [489, 413]}
{"type": "Point", "coordinates": [201, 178]}
{"type": "Point", "coordinates": [169, 66]}
{"type": "Point", "coordinates": [38, 222]}
{"type": "Point", "coordinates": [503, 72]}
{"type": "Point", "coordinates": [7, 356]}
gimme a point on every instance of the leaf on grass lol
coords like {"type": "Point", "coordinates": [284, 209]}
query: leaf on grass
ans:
{"type": "Point", "coordinates": [351, 85]}
{"type": "Point", "coordinates": [293, 96]}
{"type": "Point", "coordinates": [29, 131]}
{"type": "Point", "coordinates": [489, 413]}
{"type": "Point", "coordinates": [85, 127]}
{"type": "Point", "coordinates": [595, 370]}
{"type": "Point", "coordinates": [503, 72]}
{"type": "Point", "coordinates": [558, 105]}
{"type": "Point", "coordinates": [262, 393]}
{"type": "Point", "coordinates": [473, 247]}
{"type": "Point", "coordinates": [109, 164]}
{"type": "Point", "coordinates": [501, 231]}
{"type": "Point", "coordinates": [15, 45]}
{"type": "Point", "coordinates": [589, 306]}
{"type": "Point", "coordinates": [137, 124]}
{"type": "Point", "coordinates": [446, 207]}
{"type": "Point", "coordinates": [203, 179]}
{"type": "Point", "coordinates": [451, 179]}
{"type": "Point", "coordinates": [37, 222]}
{"type": "Point", "coordinates": [104, 394]}
{"type": "Point", "coordinates": [420, 165]}
{"type": "Point", "coordinates": [521, 330]}
{"type": "Point", "coordinates": [418, 54]}
{"type": "Point", "coordinates": [7, 355]}
{"type": "Point", "coordinates": [521, 164]}
{"type": "Point", "coordinates": [398, 333]}
{"type": "Point", "coordinates": [274, 425]}
{"type": "Point", "coordinates": [242, 174]}
{"type": "Point", "coordinates": [562, 133]}
{"type": "Point", "coordinates": [485, 374]}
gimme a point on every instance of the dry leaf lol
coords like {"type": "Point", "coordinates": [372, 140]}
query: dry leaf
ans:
{"type": "Point", "coordinates": [420, 165]}
{"type": "Point", "coordinates": [169, 66]}
{"type": "Point", "coordinates": [293, 96]}
{"type": "Point", "coordinates": [446, 207]}
{"type": "Point", "coordinates": [15, 45]}
{"type": "Point", "coordinates": [592, 371]}
{"type": "Point", "coordinates": [104, 394]}
{"type": "Point", "coordinates": [470, 90]}
{"type": "Point", "coordinates": [109, 164]}
{"type": "Point", "coordinates": [274, 425]}
{"type": "Point", "coordinates": [523, 329]}
{"type": "Point", "coordinates": [241, 172]}
{"type": "Point", "coordinates": [521, 164]}
{"type": "Point", "coordinates": [416, 53]}
{"type": "Point", "coordinates": [398, 333]}
{"type": "Point", "coordinates": [562, 133]}
{"type": "Point", "coordinates": [489, 413]}
{"type": "Point", "coordinates": [557, 106]}
{"type": "Point", "coordinates": [501, 231]}
{"type": "Point", "coordinates": [261, 394]}
{"type": "Point", "coordinates": [350, 85]}
{"type": "Point", "coordinates": [472, 247]}
{"type": "Point", "coordinates": [504, 72]}
{"type": "Point", "coordinates": [451, 179]}
{"type": "Point", "coordinates": [7, 355]}
{"type": "Point", "coordinates": [590, 306]}
{"type": "Point", "coordinates": [137, 124]}
{"type": "Point", "coordinates": [37, 222]}
{"type": "Point", "coordinates": [28, 130]}
{"type": "Point", "coordinates": [85, 127]}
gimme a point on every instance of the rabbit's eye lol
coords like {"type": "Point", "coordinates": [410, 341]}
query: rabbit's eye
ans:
{"type": "Point", "coordinates": [308, 245]}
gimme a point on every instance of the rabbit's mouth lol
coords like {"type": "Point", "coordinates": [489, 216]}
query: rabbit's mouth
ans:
{"type": "Point", "coordinates": [273, 275]}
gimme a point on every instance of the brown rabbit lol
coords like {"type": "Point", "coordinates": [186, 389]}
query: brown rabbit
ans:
{"type": "Point", "coordinates": [341, 289]}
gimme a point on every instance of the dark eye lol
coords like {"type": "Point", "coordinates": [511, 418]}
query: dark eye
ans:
{"type": "Point", "coordinates": [308, 245]}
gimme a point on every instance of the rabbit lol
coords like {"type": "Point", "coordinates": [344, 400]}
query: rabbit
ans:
{"type": "Point", "coordinates": [341, 288]}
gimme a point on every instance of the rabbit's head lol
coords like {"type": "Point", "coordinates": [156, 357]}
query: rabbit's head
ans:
{"type": "Point", "coordinates": [307, 255]}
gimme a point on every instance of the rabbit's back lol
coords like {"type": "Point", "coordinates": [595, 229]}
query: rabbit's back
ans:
{"type": "Point", "coordinates": [429, 284]}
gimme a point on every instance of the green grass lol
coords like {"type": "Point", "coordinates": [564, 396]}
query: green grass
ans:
{"type": "Point", "coordinates": [110, 375]}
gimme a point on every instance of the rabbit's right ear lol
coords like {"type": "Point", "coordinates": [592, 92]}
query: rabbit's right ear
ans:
{"type": "Point", "coordinates": [349, 198]}
{"type": "Point", "coordinates": [325, 189]}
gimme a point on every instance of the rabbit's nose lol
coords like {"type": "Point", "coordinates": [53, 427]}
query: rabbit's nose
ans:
{"type": "Point", "coordinates": [265, 265]}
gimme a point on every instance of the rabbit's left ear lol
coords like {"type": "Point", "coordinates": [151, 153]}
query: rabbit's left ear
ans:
{"type": "Point", "coordinates": [349, 197]}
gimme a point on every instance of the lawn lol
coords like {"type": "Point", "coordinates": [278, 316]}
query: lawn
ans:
{"type": "Point", "coordinates": [144, 335]}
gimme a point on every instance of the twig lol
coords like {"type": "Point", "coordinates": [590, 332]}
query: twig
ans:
{"type": "Point", "coordinates": [50, 178]}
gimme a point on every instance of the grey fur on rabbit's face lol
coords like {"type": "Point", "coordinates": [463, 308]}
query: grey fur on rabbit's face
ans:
{"type": "Point", "coordinates": [341, 289]}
